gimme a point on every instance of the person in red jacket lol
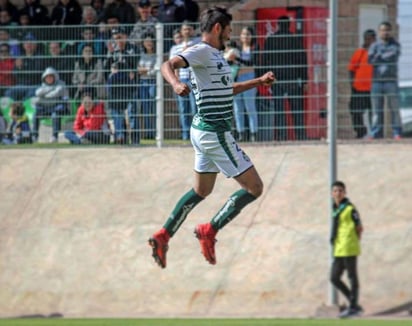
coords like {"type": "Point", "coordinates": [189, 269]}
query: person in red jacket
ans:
{"type": "Point", "coordinates": [6, 68]}
{"type": "Point", "coordinates": [90, 125]}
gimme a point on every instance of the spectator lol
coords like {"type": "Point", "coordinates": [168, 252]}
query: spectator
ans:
{"type": "Point", "coordinates": [89, 16]}
{"type": "Point", "coordinates": [25, 27]}
{"type": "Point", "coordinates": [60, 62]}
{"type": "Point", "coordinates": [6, 68]}
{"type": "Point", "coordinates": [145, 23]}
{"type": "Point", "coordinates": [66, 13]}
{"type": "Point", "coordinates": [345, 239]}
{"type": "Point", "coordinates": [285, 53]}
{"type": "Point", "coordinates": [39, 15]}
{"type": "Point", "coordinates": [147, 85]}
{"type": "Point", "coordinates": [122, 9]}
{"type": "Point", "coordinates": [90, 125]}
{"type": "Point", "coordinates": [383, 55]}
{"type": "Point", "coordinates": [104, 35]}
{"type": "Point", "coordinates": [191, 10]}
{"type": "Point", "coordinates": [171, 14]}
{"type": "Point", "coordinates": [121, 85]}
{"type": "Point", "coordinates": [26, 71]}
{"type": "Point", "coordinates": [52, 98]}
{"type": "Point", "coordinates": [11, 9]}
{"type": "Point", "coordinates": [246, 102]}
{"type": "Point", "coordinates": [89, 37]}
{"type": "Point", "coordinates": [98, 6]}
{"type": "Point", "coordinates": [88, 73]}
{"type": "Point", "coordinates": [187, 104]}
{"type": "Point", "coordinates": [360, 77]}
{"type": "Point", "coordinates": [6, 20]}
{"type": "Point", "coordinates": [19, 130]}
{"type": "Point", "coordinates": [14, 45]}
{"type": "Point", "coordinates": [3, 127]}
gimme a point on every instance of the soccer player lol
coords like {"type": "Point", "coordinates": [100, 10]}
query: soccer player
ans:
{"type": "Point", "coordinates": [345, 238]}
{"type": "Point", "coordinates": [215, 148]}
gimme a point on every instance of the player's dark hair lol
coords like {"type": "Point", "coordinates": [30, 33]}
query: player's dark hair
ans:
{"type": "Point", "coordinates": [339, 184]}
{"type": "Point", "coordinates": [212, 16]}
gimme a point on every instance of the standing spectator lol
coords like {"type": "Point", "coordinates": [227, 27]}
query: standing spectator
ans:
{"type": "Point", "coordinates": [88, 34]}
{"type": "Point", "coordinates": [383, 56]}
{"type": "Point", "coordinates": [26, 71]}
{"type": "Point", "coordinates": [360, 77]}
{"type": "Point", "coordinates": [123, 10]}
{"type": "Point", "coordinates": [145, 24]}
{"type": "Point", "coordinates": [6, 68]}
{"type": "Point", "coordinates": [52, 101]}
{"type": "Point", "coordinates": [245, 103]}
{"type": "Point", "coordinates": [147, 85]}
{"type": "Point", "coordinates": [98, 6]}
{"type": "Point", "coordinates": [285, 53]}
{"type": "Point", "coordinates": [171, 14]}
{"type": "Point", "coordinates": [66, 13]}
{"type": "Point", "coordinates": [122, 85]}
{"type": "Point", "coordinates": [90, 125]}
{"type": "Point", "coordinates": [39, 15]}
{"type": "Point", "coordinates": [88, 73]}
{"type": "Point", "coordinates": [345, 239]}
{"type": "Point", "coordinates": [14, 45]}
{"type": "Point", "coordinates": [89, 16]}
{"type": "Point", "coordinates": [3, 127]}
{"type": "Point", "coordinates": [11, 8]}
{"type": "Point", "coordinates": [19, 129]}
{"type": "Point", "coordinates": [191, 10]}
{"type": "Point", "coordinates": [187, 104]}
{"type": "Point", "coordinates": [104, 35]}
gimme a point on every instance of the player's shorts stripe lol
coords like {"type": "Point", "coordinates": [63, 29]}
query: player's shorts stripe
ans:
{"type": "Point", "coordinates": [222, 141]}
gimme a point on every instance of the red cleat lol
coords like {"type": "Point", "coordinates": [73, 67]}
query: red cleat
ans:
{"type": "Point", "coordinates": [159, 243]}
{"type": "Point", "coordinates": [206, 235]}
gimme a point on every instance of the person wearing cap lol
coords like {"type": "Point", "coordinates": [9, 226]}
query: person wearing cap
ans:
{"type": "Point", "coordinates": [145, 24]}
{"type": "Point", "coordinates": [122, 80]}
{"type": "Point", "coordinates": [360, 77]}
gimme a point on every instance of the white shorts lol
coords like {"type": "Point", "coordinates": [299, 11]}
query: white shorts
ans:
{"type": "Point", "coordinates": [216, 152]}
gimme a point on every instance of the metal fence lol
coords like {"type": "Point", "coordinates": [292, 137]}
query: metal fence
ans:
{"type": "Point", "coordinates": [119, 67]}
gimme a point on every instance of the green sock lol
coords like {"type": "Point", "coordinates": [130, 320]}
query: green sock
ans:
{"type": "Point", "coordinates": [181, 210]}
{"type": "Point", "coordinates": [232, 208]}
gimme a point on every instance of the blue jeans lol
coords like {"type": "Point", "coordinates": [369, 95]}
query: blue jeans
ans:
{"type": "Point", "coordinates": [119, 122]}
{"type": "Point", "coordinates": [378, 92]}
{"type": "Point", "coordinates": [147, 92]}
{"type": "Point", "coordinates": [245, 102]}
{"type": "Point", "coordinates": [94, 136]}
{"type": "Point", "coordinates": [187, 109]}
{"type": "Point", "coordinates": [55, 112]}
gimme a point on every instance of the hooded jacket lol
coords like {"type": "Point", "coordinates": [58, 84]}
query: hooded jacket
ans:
{"type": "Point", "coordinates": [52, 94]}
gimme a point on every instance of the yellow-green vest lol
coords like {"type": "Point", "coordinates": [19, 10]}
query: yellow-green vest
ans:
{"type": "Point", "coordinates": [347, 241]}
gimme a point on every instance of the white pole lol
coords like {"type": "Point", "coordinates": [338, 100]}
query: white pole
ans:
{"type": "Point", "coordinates": [332, 91]}
{"type": "Point", "coordinates": [159, 87]}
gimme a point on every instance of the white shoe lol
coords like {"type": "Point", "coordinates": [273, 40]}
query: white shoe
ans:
{"type": "Point", "coordinates": [53, 140]}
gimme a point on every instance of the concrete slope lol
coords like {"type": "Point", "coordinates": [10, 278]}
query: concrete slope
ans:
{"type": "Point", "coordinates": [74, 225]}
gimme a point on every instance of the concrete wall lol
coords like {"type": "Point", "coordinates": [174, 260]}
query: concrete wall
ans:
{"type": "Point", "coordinates": [74, 225]}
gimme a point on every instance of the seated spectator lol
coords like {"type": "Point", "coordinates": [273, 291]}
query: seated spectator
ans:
{"type": "Point", "coordinates": [26, 71]}
{"type": "Point", "coordinates": [52, 102]}
{"type": "Point", "coordinates": [38, 13]}
{"type": "Point", "coordinates": [88, 35]}
{"type": "Point", "coordinates": [14, 45]}
{"type": "Point", "coordinates": [60, 62]}
{"type": "Point", "coordinates": [11, 8]}
{"type": "Point", "coordinates": [6, 68]}
{"type": "Point", "coordinates": [91, 124]}
{"type": "Point", "coordinates": [19, 129]}
{"type": "Point", "coordinates": [6, 19]}
{"type": "Point", "coordinates": [88, 72]}
{"type": "Point", "coordinates": [25, 27]}
{"type": "Point", "coordinates": [123, 10]}
{"type": "Point", "coordinates": [89, 16]}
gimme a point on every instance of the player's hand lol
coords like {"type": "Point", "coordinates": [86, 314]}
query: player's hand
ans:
{"type": "Point", "coordinates": [268, 78]}
{"type": "Point", "coordinates": [181, 89]}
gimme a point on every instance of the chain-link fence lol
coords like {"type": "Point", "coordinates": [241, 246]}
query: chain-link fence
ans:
{"type": "Point", "coordinates": [102, 84]}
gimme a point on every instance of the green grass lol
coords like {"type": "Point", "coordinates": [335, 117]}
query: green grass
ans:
{"type": "Point", "coordinates": [200, 322]}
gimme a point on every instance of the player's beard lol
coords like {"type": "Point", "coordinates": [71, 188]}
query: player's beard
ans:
{"type": "Point", "coordinates": [222, 42]}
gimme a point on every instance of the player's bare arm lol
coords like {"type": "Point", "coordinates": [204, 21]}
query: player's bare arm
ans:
{"type": "Point", "coordinates": [168, 71]}
{"type": "Point", "coordinates": [266, 79]}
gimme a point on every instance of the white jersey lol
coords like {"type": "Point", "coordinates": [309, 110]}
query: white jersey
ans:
{"type": "Point", "coordinates": [212, 86]}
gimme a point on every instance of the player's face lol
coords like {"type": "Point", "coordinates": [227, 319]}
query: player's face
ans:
{"type": "Point", "coordinates": [224, 36]}
{"type": "Point", "coordinates": [338, 194]}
